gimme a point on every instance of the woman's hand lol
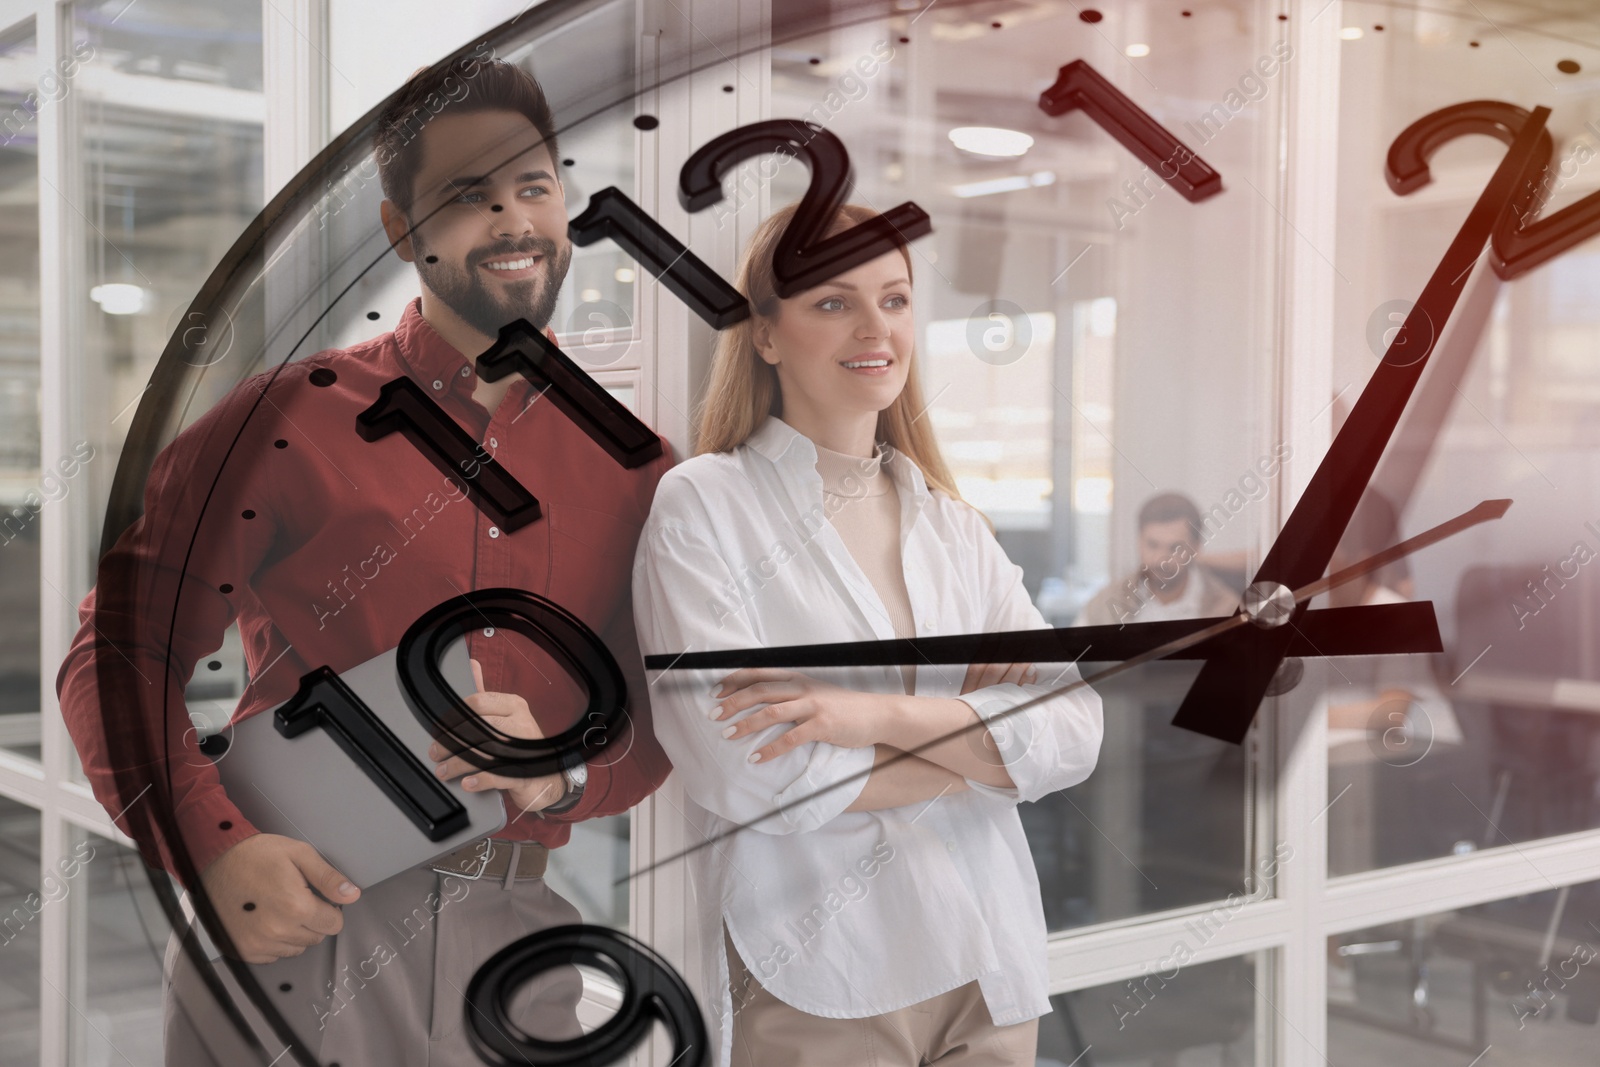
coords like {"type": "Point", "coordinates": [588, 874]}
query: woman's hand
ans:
{"type": "Point", "coordinates": [511, 715]}
{"type": "Point", "coordinates": [980, 675]}
{"type": "Point", "coordinates": [820, 711]}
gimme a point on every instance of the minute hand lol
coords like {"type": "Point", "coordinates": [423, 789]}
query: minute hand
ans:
{"type": "Point", "coordinates": [1223, 699]}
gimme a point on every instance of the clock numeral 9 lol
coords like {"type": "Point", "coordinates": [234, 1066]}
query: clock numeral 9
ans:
{"type": "Point", "coordinates": [651, 991]}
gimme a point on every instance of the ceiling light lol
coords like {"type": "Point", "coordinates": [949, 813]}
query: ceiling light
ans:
{"type": "Point", "coordinates": [118, 298]}
{"type": "Point", "coordinates": [589, 295]}
{"type": "Point", "coordinates": [1005, 185]}
{"type": "Point", "coordinates": [1136, 51]}
{"type": "Point", "coordinates": [1352, 33]}
{"type": "Point", "coordinates": [995, 141]}
{"type": "Point", "coordinates": [623, 275]}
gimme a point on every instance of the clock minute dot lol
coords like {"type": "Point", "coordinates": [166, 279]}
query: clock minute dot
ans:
{"type": "Point", "coordinates": [1377, 27]}
{"type": "Point", "coordinates": [225, 588]}
{"type": "Point", "coordinates": [249, 905]}
{"type": "Point", "coordinates": [905, 40]}
{"type": "Point", "coordinates": [214, 665]}
{"type": "Point", "coordinates": [432, 259]}
{"type": "Point", "coordinates": [225, 824]}
{"type": "Point", "coordinates": [496, 207]}
{"type": "Point", "coordinates": [646, 122]}
{"type": "Point", "coordinates": [566, 162]}
{"type": "Point", "coordinates": [1568, 66]}
{"type": "Point", "coordinates": [1090, 15]}
{"type": "Point", "coordinates": [323, 377]}
{"type": "Point", "coordinates": [815, 61]}
{"type": "Point", "coordinates": [1473, 44]}
{"type": "Point", "coordinates": [727, 88]}
{"type": "Point", "coordinates": [995, 25]}
{"type": "Point", "coordinates": [373, 315]}
{"type": "Point", "coordinates": [247, 513]}
{"type": "Point", "coordinates": [280, 443]}
{"type": "Point", "coordinates": [284, 987]}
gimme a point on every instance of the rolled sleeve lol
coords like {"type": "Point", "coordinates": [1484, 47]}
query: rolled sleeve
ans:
{"type": "Point", "coordinates": [1050, 745]}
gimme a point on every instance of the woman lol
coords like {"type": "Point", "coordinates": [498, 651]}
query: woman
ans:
{"type": "Point", "coordinates": [855, 907]}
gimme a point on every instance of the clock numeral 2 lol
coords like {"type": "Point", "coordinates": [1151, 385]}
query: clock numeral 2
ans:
{"type": "Point", "coordinates": [1079, 86]}
{"type": "Point", "coordinates": [324, 700]}
{"type": "Point", "coordinates": [1520, 242]}
{"type": "Point", "coordinates": [402, 406]}
{"type": "Point", "coordinates": [803, 257]}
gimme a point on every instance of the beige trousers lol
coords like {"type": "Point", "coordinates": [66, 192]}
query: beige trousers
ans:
{"type": "Point", "coordinates": [952, 1029]}
{"type": "Point", "coordinates": [390, 989]}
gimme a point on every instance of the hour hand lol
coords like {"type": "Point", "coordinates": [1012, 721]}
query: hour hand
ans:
{"type": "Point", "coordinates": [1360, 631]}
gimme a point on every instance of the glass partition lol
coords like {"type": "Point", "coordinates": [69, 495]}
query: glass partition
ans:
{"type": "Point", "coordinates": [1495, 741]}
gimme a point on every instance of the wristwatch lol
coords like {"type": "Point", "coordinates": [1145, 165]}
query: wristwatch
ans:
{"type": "Point", "coordinates": [576, 777]}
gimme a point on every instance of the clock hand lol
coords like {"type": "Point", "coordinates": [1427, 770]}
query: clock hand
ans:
{"type": "Point", "coordinates": [1270, 618]}
{"type": "Point", "coordinates": [1223, 699]}
{"type": "Point", "coordinates": [1171, 639]}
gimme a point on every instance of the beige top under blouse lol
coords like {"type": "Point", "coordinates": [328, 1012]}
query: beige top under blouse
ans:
{"type": "Point", "coordinates": [864, 507]}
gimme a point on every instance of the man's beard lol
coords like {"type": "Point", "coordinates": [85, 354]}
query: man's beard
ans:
{"type": "Point", "coordinates": [464, 291]}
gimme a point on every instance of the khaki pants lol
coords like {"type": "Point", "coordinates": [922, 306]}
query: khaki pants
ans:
{"type": "Point", "coordinates": [952, 1029]}
{"type": "Point", "coordinates": [390, 989]}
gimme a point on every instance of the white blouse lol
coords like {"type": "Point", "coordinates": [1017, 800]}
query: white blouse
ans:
{"type": "Point", "coordinates": [847, 914]}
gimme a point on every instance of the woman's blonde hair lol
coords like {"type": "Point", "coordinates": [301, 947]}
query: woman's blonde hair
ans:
{"type": "Point", "coordinates": [743, 389]}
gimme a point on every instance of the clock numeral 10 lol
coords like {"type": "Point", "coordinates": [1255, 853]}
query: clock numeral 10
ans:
{"type": "Point", "coordinates": [323, 699]}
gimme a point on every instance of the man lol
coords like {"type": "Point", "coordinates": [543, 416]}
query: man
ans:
{"type": "Point", "coordinates": [284, 543]}
{"type": "Point", "coordinates": [1170, 583]}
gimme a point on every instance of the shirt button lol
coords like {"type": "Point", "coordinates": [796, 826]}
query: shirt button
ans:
{"type": "Point", "coordinates": [493, 443]}
{"type": "Point", "coordinates": [465, 371]}
{"type": "Point", "coordinates": [437, 384]}
{"type": "Point", "coordinates": [950, 846]}
{"type": "Point", "coordinates": [927, 624]}
{"type": "Point", "coordinates": [488, 631]}
{"type": "Point", "coordinates": [494, 531]}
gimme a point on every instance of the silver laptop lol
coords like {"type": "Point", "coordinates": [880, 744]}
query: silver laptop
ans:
{"type": "Point", "coordinates": [308, 788]}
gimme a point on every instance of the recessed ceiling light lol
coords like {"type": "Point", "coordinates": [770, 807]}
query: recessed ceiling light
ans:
{"type": "Point", "coordinates": [995, 141]}
{"type": "Point", "coordinates": [1136, 51]}
{"type": "Point", "coordinates": [1352, 33]}
{"type": "Point", "coordinates": [1005, 185]}
{"type": "Point", "coordinates": [118, 298]}
{"type": "Point", "coordinates": [623, 275]}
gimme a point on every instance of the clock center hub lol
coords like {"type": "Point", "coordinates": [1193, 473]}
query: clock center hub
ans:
{"type": "Point", "coordinates": [1268, 604]}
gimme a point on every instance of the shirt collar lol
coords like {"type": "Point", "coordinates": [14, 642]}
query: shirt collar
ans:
{"type": "Point", "coordinates": [430, 358]}
{"type": "Point", "coordinates": [795, 456]}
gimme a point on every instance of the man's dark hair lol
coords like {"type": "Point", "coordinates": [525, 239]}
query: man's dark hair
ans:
{"type": "Point", "coordinates": [492, 85]}
{"type": "Point", "coordinates": [1166, 507]}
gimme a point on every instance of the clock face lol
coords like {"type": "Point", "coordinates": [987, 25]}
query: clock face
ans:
{"type": "Point", "coordinates": [1103, 242]}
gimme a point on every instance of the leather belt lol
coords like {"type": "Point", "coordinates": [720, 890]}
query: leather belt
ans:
{"type": "Point", "coordinates": [487, 858]}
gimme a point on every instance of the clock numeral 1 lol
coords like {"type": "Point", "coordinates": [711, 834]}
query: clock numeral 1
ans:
{"type": "Point", "coordinates": [526, 350]}
{"type": "Point", "coordinates": [610, 213]}
{"type": "Point", "coordinates": [324, 700]}
{"type": "Point", "coordinates": [402, 406]}
{"type": "Point", "coordinates": [1079, 87]}
{"type": "Point", "coordinates": [651, 992]}
{"type": "Point", "coordinates": [803, 258]}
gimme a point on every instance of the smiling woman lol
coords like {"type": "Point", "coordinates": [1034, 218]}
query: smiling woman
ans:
{"type": "Point", "coordinates": [812, 410]}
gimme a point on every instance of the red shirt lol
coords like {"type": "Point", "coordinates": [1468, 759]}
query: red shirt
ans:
{"type": "Point", "coordinates": [273, 511]}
